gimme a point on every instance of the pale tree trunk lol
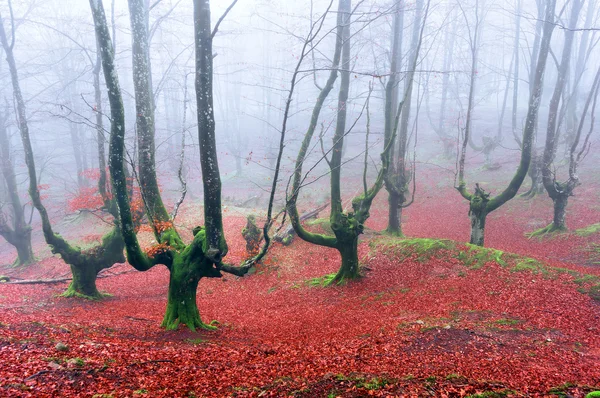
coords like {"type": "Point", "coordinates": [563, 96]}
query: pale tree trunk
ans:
{"type": "Point", "coordinates": [19, 233]}
{"type": "Point", "coordinates": [480, 203]}
{"type": "Point", "coordinates": [402, 175]}
{"type": "Point", "coordinates": [87, 262]}
{"type": "Point", "coordinates": [552, 187]}
{"type": "Point", "coordinates": [391, 105]}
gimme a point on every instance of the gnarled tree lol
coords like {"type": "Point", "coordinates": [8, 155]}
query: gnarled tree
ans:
{"type": "Point", "coordinates": [85, 264]}
{"type": "Point", "coordinates": [346, 226]}
{"type": "Point", "coordinates": [560, 192]}
{"type": "Point", "coordinates": [480, 202]}
{"type": "Point", "coordinates": [17, 232]}
{"type": "Point", "coordinates": [187, 262]}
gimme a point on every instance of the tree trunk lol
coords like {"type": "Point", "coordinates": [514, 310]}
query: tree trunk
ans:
{"type": "Point", "coordinates": [211, 178]}
{"type": "Point", "coordinates": [238, 166]}
{"type": "Point", "coordinates": [394, 228]}
{"type": "Point", "coordinates": [560, 210]}
{"type": "Point", "coordinates": [24, 250]}
{"type": "Point", "coordinates": [349, 251]}
{"type": "Point", "coordinates": [181, 302]}
{"type": "Point", "coordinates": [477, 217]}
{"type": "Point", "coordinates": [84, 282]}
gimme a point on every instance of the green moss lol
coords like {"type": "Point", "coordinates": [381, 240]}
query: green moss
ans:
{"type": "Point", "coordinates": [589, 230]}
{"type": "Point", "coordinates": [140, 391]}
{"type": "Point", "coordinates": [323, 281]}
{"type": "Point", "coordinates": [546, 231]}
{"type": "Point", "coordinates": [196, 341]}
{"type": "Point", "coordinates": [78, 362]}
{"type": "Point", "coordinates": [322, 224]}
{"type": "Point", "coordinates": [454, 377]}
{"type": "Point", "coordinates": [73, 293]}
{"type": "Point", "coordinates": [507, 321]}
{"type": "Point", "coordinates": [422, 249]}
{"type": "Point", "coordinates": [593, 394]}
{"type": "Point", "coordinates": [532, 265]}
{"type": "Point", "coordinates": [376, 383]}
{"type": "Point", "coordinates": [476, 257]}
{"type": "Point", "coordinates": [492, 394]}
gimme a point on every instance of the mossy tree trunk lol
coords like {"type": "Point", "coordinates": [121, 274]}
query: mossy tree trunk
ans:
{"type": "Point", "coordinates": [187, 263]}
{"type": "Point", "coordinates": [346, 226]}
{"type": "Point", "coordinates": [555, 189]}
{"type": "Point", "coordinates": [83, 283]}
{"type": "Point", "coordinates": [400, 174]}
{"type": "Point", "coordinates": [211, 178]}
{"type": "Point", "coordinates": [394, 226]}
{"type": "Point", "coordinates": [348, 250]}
{"type": "Point", "coordinates": [182, 307]}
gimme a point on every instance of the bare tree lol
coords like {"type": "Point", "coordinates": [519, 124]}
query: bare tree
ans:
{"type": "Point", "coordinates": [480, 202]}
{"type": "Point", "coordinates": [85, 264]}
{"type": "Point", "coordinates": [17, 232]}
{"type": "Point", "coordinates": [187, 263]}
{"type": "Point", "coordinates": [346, 226]}
{"type": "Point", "coordinates": [401, 171]}
{"type": "Point", "coordinates": [560, 192]}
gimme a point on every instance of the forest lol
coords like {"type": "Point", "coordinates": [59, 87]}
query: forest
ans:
{"type": "Point", "coordinates": [318, 198]}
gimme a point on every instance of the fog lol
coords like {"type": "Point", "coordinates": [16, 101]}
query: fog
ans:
{"type": "Point", "coordinates": [474, 72]}
{"type": "Point", "coordinates": [376, 176]}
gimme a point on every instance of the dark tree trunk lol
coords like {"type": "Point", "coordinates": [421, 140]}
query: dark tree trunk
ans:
{"type": "Point", "coordinates": [211, 178]}
{"type": "Point", "coordinates": [394, 226]}
{"type": "Point", "coordinates": [560, 211]}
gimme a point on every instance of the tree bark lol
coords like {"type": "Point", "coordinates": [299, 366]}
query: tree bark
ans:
{"type": "Point", "coordinates": [144, 107]}
{"type": "Point", "coordinates": [560, 211]}
{"type": "Point", "coordinates": [211, 178]}
{"type": "Point", "coordinates": [111, 249]}
{"type": "Point", "coordinates": [349, 253]}
{"type": "Point", "coordinates": [479, 198]}
{"type": "Point", "coordinates": [19, 234]}
{"type": "Point", "coordinates": [181, 301]}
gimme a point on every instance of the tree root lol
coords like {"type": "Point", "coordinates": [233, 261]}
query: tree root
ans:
{"type": "Point", "coordinates": [550, 229]}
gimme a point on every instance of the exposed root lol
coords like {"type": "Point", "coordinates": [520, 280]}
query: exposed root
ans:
{"type": "Point", "coordinates": [550, 229]}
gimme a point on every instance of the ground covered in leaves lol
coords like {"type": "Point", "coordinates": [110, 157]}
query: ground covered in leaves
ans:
{"type": "Point", "coordinates": [431, 317]}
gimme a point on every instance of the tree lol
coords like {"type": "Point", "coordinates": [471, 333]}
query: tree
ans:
{"type": "Point", "coordinates": [346, 226]}
{"type": "Point", "coordinates": [480, 202]}
{"type": "Point", "coordinates": [187, 263]}
{"type": "Point", "coordinates": [560, 192]}
{"type": "Point", "coordinates": [84, 264]}
{"type": "Point", "coordinates": [399, 175]}
{"type": "Point", "coordinates": [19, 233]}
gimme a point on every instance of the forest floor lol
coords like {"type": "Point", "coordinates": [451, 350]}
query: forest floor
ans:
{"type": "Point", "coordinates": [430, 317]}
